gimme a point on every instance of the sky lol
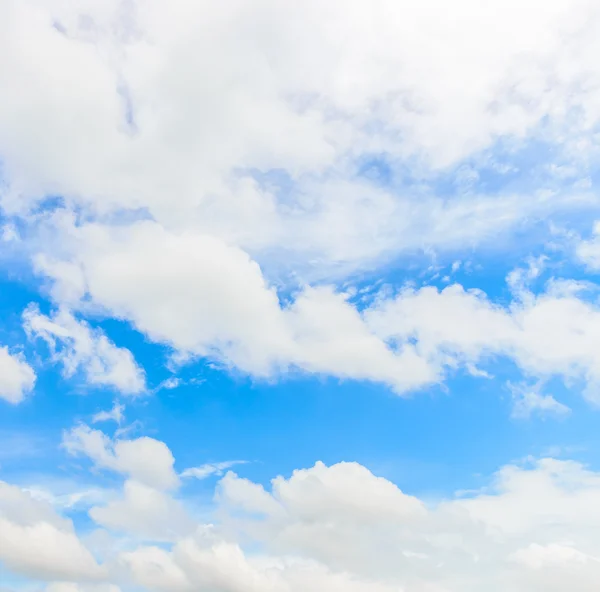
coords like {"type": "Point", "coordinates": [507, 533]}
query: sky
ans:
{"type": "Point", "coordinates": [299, 296]}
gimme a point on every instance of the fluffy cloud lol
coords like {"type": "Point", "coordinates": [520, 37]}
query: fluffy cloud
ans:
{"type": "Point", "coordinates": [17, 377]}
{"type": "Point", "coordinates": [342, 528]}
{"type": "Point", "coordinates": [38, 543]}
{"type": "Point", "coordinates": [551, 334]}
{"type": "Point", "coordinates": [264, 155]}
{"type": "Point", "coordinates": [78, 347]}
{"type": "Point", "coordinates": [144, 512]}
{"type": "Point", "coordinates": [295, 99]}
{"type": "Point", "coordinates": [211, 173]}
{"type": "Point", "coordinates": [185, 203]}
{"type": "Point", "coordinates": [533, 528]}
{"type": "Point", "coordinates": [185, 291]}
{"type": "Point", "coordinates": [146, 460]}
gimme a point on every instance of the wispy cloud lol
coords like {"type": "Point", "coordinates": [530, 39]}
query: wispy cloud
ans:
{"type": "Point", "coordinates": [115, 414]}
{"type": "Point", "coordinates": [210, 469]}
{"type": "Point", "coordinates": [528, 400]}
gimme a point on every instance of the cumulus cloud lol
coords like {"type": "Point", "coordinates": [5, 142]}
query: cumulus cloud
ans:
{"type": "Point", "coordinates": [549, 334]}
{"type": "Point", "coordinates": [174, 289]}
{"type": "Point", "coordinates": [185, 291]}
{"type": "Point", "coordinates": [17, 377]}
{"type": "Point", "coordinates": [38, 543]}
{"type": "Point", "coordinates": [146, 460]}
{"type": "Point", "coordinates": [144, 512]}
{"type": "Point", "coordinates": [78, 347]}
{"type": "Point", "coordinates": [342, 528]}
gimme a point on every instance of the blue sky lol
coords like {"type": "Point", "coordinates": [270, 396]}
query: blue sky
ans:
{"type": "Point", "coordinates": [299, 298]}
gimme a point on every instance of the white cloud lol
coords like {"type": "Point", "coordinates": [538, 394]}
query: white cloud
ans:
{"type": "Point", "coordinates": [174, 290]}
{"type": "Point", "coordinates": [539, 556]}
{"type": "Point", "coordinates": [209, 469]}
{"type": "Point", "coordinates": [146, 460]}
{"type": "Point", "coordinates": [71, 587]}
{"type": "Point", "coordinates": [115, 414]}
{"type": "Point", "coordinates": [549, 334]}
{"type": "Point", "coordinates": [528, 400]}
{"type": "Point", "coordinates": [79, 347]}
{"type": "Point", "coordinates": [146, 513]}
{"type": "Point", "coordinates": [341, 528]}
{"type": "Point", "coordinates": [69, 495]}
{"type": "Point", "coordinates": [207, 298]}
{"type": "Point", "coordinates": [234, 130]}
{"type": "Point", "coordinates": [17, 377]}
{"type": "Point", "coordinates": [164, 226]}
{"type": "Point", "coordinates": [140, 127]}
{"type": "Point", "coordinates": [588, 251]}
{"type": "Point", "coordinates": [38, 543]}
{"type": "Point", "coordinates": [169, 384]}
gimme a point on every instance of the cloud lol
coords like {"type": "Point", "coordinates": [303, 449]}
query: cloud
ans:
{"type": "Point", "coordinates": [38, 543]}
{"type": "Point", "coordinates": [494, 80]}
{"type": "Point", "coordinates": [69, 495]}
{"type": "Point", "coordinates": [78, 347]}
{"type": "Point", "coordinates": [338, 527]}
{"type": "Point", "coordinates": [341, 528]}
{"type": "Point", "coordinates": [146, 513]}
{"type": "Point", "coordinates": [206, 470]}
{"type": "Point", "coordinates": [268, 161]}
{"type": "Point", "coordinates": [528, 400]}
{"type": "Point", "coordinates": [588, 251]}
{"type": "Point", "coordinates": [270, 173]}
{"type": "Point", "coordinates": [146, 460]}
{"type": "Point", "coordinates": [185, 290]}
{"type": "Point", "coordinates": [174, 290]}
{"type": "Point", "coordinates": [115, 414]}
{"type": "Point", "coordinates": [71, 587]}
{"type": "Point", "coordinates": [548, 334]}
{"type": "Point", "coordinates": [212, 173]}
{"type": "Point", "coordinates": [17, 377]}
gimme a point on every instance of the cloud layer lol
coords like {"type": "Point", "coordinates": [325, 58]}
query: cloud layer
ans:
{"type": "Point", "coordinates": [338, 527]}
